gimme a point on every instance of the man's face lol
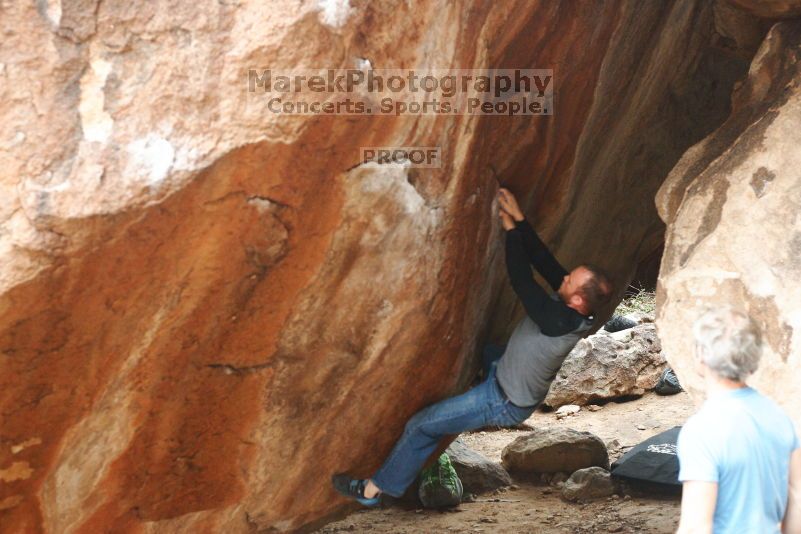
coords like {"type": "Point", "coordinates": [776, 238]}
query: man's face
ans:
{"type": "Point", "coordinates": [572, 283]}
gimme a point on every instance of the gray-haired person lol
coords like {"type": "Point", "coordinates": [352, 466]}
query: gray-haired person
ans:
{"type": "Point", "coordinates": [739, 456]}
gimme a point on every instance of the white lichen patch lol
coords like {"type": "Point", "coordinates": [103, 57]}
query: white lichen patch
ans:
{"type": "Point", "coordinates": [95, 121]}
{"type": "Point", "coordinates": [262, 205]}
{"type": "Point", "coordinates": [186, 158]}
{"type": "Point", "coordinates": [53, 11]}
{"type": "Point", "coordinates": [390, 179]}
{"type": "Point", "coordinates": [193, 152]}
{"type": "Point", "coordinates": [151, 157]}
{"type": "Point", "coordinates": [334, 13]}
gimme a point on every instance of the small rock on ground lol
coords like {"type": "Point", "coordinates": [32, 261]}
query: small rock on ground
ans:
{"type": "Point", "coordinates": [477, 473]}
{"type": "Point", "coordinates": [588, 484]}
{"type": "Point", "coordinates": [551, 450]}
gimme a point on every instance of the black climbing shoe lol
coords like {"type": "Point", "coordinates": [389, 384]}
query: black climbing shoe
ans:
{"type": "Point", "coordinates": [353, 488]}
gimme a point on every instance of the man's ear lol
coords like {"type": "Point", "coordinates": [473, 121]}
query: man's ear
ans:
{"type": "Point", "coordinates": [576, 300]}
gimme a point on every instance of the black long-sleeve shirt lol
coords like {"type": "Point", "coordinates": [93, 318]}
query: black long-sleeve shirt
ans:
{"type": "Point", "coordinates": [523, 246]}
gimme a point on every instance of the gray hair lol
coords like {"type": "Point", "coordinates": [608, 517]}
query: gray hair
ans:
{"type": "Point", "coordinates": [728, 342]}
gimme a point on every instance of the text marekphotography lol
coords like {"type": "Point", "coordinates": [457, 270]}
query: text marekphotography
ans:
{"type": "Point", "coordinates": [403, 92]}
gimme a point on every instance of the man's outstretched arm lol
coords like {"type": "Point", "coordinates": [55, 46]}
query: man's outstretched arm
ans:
{"type": "Point", "coordinates": [553, 317]}
{"type": "Point", "coordinates": [537, 253]}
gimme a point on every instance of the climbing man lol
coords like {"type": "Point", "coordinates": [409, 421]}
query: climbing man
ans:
{"type": "Point", "coordinates": [517, 378]}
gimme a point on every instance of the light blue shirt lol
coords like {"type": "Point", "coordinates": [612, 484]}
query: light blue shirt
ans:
{"type": "Point", "coordinates": [743, 441]}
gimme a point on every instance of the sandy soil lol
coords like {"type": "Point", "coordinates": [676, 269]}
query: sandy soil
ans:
{"type": "Point", "coordinates": [537, 508]}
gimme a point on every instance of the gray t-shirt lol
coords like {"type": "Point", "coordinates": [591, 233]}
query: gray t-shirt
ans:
{"type": "Point", "coordinates": [532, 359]}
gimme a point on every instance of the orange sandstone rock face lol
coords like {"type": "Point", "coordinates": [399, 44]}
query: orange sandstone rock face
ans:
{"type": "Point", "coordinates": [206, 309]}
{"type": "Point", "coordinates": [732, 206]}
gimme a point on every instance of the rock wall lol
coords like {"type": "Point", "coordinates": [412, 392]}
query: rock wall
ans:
{"type": "Point", "coordinates": [733, 210]}
{"type": "Point", "coordinates": [206, 309]}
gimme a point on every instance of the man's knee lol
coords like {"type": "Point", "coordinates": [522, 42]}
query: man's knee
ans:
{"type": "Point", "coordinates": [416, 421]}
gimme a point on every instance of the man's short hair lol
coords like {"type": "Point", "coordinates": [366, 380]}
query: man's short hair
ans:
{"type": "Point", "coordinates": [597, 290]}
{"type": "Point", "coordinates": [728, 342]}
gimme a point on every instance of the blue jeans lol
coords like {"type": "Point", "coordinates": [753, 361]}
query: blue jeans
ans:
{"type": "Point", "coordinates": [483, 405]}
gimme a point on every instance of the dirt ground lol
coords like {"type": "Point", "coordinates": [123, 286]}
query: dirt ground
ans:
{"type": "Point", "coordinates": [534, 508]}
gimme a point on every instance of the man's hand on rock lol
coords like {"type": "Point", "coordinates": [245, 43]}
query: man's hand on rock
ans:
{"type": "Point", "coordinates": [506, 220]}
{"type": "Point", "coordinates": [508, 204]}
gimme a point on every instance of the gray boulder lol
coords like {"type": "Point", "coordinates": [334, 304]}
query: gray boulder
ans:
{"type": "Point", "coordinates": [588, 484]}
{"type": "Point", "coordinates": [478, 473]}
{"type": "Point", "coordinates": [609, 365]}
{"type": "Point", "coordinates": [552, 450]}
